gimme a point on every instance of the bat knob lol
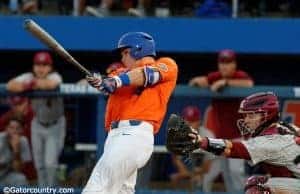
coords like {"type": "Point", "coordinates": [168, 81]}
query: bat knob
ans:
{"type": "Point", "coordinates": [27, 22]}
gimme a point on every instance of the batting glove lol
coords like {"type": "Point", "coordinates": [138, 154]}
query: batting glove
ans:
{"type": "Point", "coordinates": [95, 80]}
{"type": "Point", "coordinates": [109, 85]}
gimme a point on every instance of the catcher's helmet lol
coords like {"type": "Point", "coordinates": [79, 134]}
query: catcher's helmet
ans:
{"type": "Point", "coordinates": [42, 58]}
{"type": "Point", "coordinates": [262, 102]}
{"type": "Point", "coordinates": [141, 44]}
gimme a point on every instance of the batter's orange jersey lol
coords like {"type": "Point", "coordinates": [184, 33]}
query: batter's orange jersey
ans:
{"type": "Point", "coordinates": [144, 103]}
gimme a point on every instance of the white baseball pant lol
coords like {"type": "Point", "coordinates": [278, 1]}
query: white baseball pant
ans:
{"type": "Point", "coordinates": [127, 148]}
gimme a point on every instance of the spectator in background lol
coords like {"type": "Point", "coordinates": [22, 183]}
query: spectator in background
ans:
{"type": "Point", "coordinates": [23, 6]}
{"type": "Point", "coordinates": [256, 7]}
{"type": "Point", "coordinates": [48, 125]}
{"type": "Point", "coordinates": [139, 10]}
{"type": "Point", "coordinates": [80, 6]}
{"type": "Point", "coordinates": [214, 9]}
{"type": "Point", "coordinates": [65, 7]}
{"type": "Point", "coordinates": [29, 6]}
{"type": "Point", "coordinates": [102, 10]}
{"type": "Point", "coordinates": [295, 8]}
{"type": "Point", "coordinates": [163, 9]}
{"type": "Point", "coordinates": [105, 6]}
{"type": "Point", "coordinates": [21, 109]}
{"type": "Point", "coordinates": [221, 118]}
{"type": "Point", "coordinates": [227, 74]}
{"type": "Point", "coordinates": [200, 174]}
{"type": "Point", "coordinates": [15, 152]}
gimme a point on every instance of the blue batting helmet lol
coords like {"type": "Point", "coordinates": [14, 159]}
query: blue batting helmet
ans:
{"type": "Point", "coordinates": [141, 44]}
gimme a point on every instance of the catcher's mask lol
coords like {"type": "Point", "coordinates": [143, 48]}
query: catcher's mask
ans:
{"type": "Point", "coordinates": [259, 111]}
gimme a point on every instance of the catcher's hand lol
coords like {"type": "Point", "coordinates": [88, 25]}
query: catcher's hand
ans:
{"type": "Point", "coordinates": [181, 138]}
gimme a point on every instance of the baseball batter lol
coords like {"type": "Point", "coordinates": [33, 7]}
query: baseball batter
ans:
{"type": "Point", "coordinates": [267, 141]}
{"type": "Point", "coordinates": [138, 97]}
{"type": "Point", "coordinates": [48, 126]}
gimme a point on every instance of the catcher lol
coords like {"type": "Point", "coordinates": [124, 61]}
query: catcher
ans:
{"type": "Point", "coordinates": [268, 141]}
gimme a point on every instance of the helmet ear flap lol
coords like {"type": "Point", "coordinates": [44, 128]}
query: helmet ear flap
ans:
{"type": "Point", "coordinates": [135, 51]}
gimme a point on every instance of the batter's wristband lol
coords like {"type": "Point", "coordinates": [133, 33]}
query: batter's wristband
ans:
{"type": "Point", "coordinates": [124, 79]}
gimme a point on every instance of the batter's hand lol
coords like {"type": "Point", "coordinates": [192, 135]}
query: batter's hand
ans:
{"type": "Point", "coordinates": [108, 85]}
{"type": "Point", "coordinates": [95, 80]}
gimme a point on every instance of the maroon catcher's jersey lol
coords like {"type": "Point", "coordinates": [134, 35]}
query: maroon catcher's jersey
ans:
{"type": "Point", "coordinates": [275, 152]}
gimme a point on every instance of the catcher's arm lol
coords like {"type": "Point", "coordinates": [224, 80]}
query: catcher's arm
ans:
{"type": "Point", "coordinates": [182, 139]}
{"type": "Point", "coordinates": [215, 146]}
{"type": "Point", "coordinates": [228, 148]}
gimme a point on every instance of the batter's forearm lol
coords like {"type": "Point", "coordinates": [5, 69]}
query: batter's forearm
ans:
{"type": "Point", "coordinates": [136, 77]}
{"type": "Point", "coordinates": [145, 76]}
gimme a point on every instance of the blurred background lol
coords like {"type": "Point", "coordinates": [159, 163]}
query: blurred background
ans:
{"type": "Point", "coordinates": [252, 40]}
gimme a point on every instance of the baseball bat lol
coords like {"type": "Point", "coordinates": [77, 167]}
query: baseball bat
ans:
{"type": "Point", "coordinates": [38, 32]}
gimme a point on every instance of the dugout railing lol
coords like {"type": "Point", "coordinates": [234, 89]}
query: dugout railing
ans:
{"type": "Point", "coordinates": [182, 96]}
{"type": "Point", "coordinates": [91, 104]}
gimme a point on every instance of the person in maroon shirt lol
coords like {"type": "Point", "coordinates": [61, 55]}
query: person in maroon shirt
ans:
{"type": "Point", "coordinates": [21, 109]}
{"type": "Point", "coordinates": [227, 74]}
{"type": "Point", "coordinates": [222, 115]}
{"type": "Point", "coordinates": [273, 144]}
{"type": "Point", "coordinates": [224, 125]}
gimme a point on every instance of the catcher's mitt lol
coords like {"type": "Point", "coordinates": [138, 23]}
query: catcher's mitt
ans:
{"type": "Point", "coordinates": [178, 139]}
